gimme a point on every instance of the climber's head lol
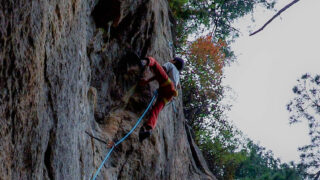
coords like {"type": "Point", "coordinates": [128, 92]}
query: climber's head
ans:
{"type": "Point", "coordinates": [178, 62]}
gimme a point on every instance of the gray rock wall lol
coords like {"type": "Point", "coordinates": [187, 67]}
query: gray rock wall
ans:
{"type": "Point", "coordinates": [63, 71]}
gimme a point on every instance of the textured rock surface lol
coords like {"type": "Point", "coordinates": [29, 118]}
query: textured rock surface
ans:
{"type": "Point", "coordinates": [63, 71]}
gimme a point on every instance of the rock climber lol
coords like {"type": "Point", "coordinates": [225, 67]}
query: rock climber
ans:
{"type": "Point", "coordinates": [168, 78]}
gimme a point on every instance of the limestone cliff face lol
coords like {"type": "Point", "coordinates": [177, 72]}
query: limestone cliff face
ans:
{"type": "Point", "coordinates": [63, 71]}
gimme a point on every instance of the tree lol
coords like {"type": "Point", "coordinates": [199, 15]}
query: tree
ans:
{"type": "Point", "coordinates": [229, 155]}
{"type": "Point", "coordinates": [215, 16]}
{"type": "Point", "coordinates": [202, 94]}
{"type": "Point", "coordinates": [261, 165]}
{"type": "Point", "coordinates": [201, 80]}
{"type": "Point", "coordinates": [276, 15]}
{"type": "Point", "coordinates": [221, 151]}
{"type": "Point", "coordinates": [305, 106]}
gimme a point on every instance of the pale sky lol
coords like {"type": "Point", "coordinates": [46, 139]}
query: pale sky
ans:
{"type": "Point", "coordinates": [267, 67]}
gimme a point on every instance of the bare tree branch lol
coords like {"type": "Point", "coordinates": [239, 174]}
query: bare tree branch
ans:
{"type": "Point", "coordinates": [276, 15]}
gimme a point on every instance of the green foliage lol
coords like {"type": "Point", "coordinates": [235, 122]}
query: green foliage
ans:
{"type": "Point", "coordinates": [228, 153]}
{"type": "Point", "coordinates": [221, 152]}
{"type": "Point", "coordinates": [230, 156]}
{"type": "Point", "coordinates": [305, 106]}
{"type": "Point", "coordinates": [215, 16]}
{"type": "Point", "coordinates": [201, 80]}
{"type": "Point", "coordinates": [260, 164]}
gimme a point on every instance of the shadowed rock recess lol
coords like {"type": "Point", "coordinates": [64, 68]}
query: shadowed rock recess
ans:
{"type": "Point", "coordinates": [64, 70]}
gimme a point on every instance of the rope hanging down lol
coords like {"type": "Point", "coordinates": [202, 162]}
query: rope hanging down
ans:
{"type": "Point", "coordinates": [134, 127]}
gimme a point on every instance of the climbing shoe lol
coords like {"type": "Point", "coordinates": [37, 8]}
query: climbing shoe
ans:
{"type": "Point", "coordinates": [145, 132]}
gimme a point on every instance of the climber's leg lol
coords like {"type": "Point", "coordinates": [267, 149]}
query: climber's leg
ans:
{"type": "Point", "coordinates": [147, 128]}
{"type": "Point", "coordinates": [155, 112]}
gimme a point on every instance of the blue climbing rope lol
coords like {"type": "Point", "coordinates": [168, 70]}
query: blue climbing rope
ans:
{"type": "Point", "coordinates": [121, 140]}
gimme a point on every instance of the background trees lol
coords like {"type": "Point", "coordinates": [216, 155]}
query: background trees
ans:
{"type": "Point", "coordinates": [305, 107]}
{"type": "Point", "coordinates": [214, 16]}
{"type": "Point", "coordinates": [260, 164]}
{"type": "Point", "coordinates": [201, 80]}
{"type": "Point", "coordinates": [229, 154]}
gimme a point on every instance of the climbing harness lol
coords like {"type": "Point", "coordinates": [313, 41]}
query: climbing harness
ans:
{"type": "Point", "coordinates": [121, 140]}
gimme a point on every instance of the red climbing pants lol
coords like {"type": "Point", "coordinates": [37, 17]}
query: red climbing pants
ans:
{"type": "Point", "coordinates": [166, 91]}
